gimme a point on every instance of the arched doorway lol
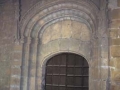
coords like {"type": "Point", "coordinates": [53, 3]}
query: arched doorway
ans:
{"type": "Point", "coordinates": [67, 71]}
{"type": "Point", "coordinates": [67, 26]}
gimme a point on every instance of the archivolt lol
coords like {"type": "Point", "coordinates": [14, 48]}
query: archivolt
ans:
{"type": "Point", "coordinates": [35, 21]}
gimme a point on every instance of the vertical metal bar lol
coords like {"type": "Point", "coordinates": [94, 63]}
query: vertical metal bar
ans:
{"type": "Point", "coordinates": [66, 55]}
{"type": "Point", "coordinates": [82, 72]}
{"type": "Point", "coordinates": [46, 75]}
{"type": "Point", "coordinates": [74, 69]}
{"type": "Point", "coordinates": [52, 73]}
{"type": "Point", "coordinates": [59, 70]}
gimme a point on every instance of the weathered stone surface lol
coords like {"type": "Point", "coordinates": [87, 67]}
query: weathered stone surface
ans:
{"type": "Point", "coordinates": [45, 50]}
{"type": "Point", "coordinates": [56, 31]}
{"type": "Point", "coordinates": [46, 36]}
{"type": "Point", "coordinates": [16, 71]}
{"type": "Point", "coordinates": [104, 62]}
{"type": "Point", "coordinates": [96, 85]}
{"type": "Point", "coordinates": [55, 45]}
{"type": "Point", "coordinates": [104, 85]}
{"type": "Point", "coordinates": [18, 48]}
{"type": "Point", "coordinates": [104, 72]}
{"type": "Point", "coordinates": [15, 81]}
{"type": "Point", "coordinates": [95, 73]}
{"type": "Point", "coordinates": [32, 83]}
{"type": "Point", "coordinates": [115, 75]}
{"type": "Point", "coordinates": [115, 87]}
{"type": "Point", "coordinates": [17, 62]}
{"type": "Point", "coordinates": [116, 14]}
{"type": "Point", "coordinates": [76, 30]}
{"type": "Point", "coordinates": [64, 44]}
{"type": "Point", "coordinates": [80, 31]}
{"type": "Point", "coordinates": [85, 35]}
{"type": "Point", "coordinates": [94, 63]}
{"type": "Point", "coordinates": [115, 24]}
{"type": "Point", "coordinates": [74, 45]}
{"type": "Point", "coordinates": [27, 4]}
{"type": "Point", "coordinates": [14, 88]}
{"type": "Point", "coordinates": [115, 51]}
{"type": "Point", "coordinates": [7, 33]}
{"type": "Point", "coordinates": [118, 3]}
{"type": "Point", "coordinates": [17, 55]}
{"type": "Point", "coordinates": [115, 62]}
{"type": "Point", "coordinates": [114, 33]}
{"type": "Point", "coordinates": [115, 41]}
{"type": "Point", "coordinates": [104, 55]}
{"type": "Point", "coordinates": [66, 29]}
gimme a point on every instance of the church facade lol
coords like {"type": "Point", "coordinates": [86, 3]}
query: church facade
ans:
{"type": "Point", "coordinates": [59, 45]}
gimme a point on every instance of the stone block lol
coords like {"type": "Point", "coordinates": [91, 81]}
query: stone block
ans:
{"type": "Point", "coordinates": [104, 72]}
{"type": "Point", "coordinates": [15, 81]}
{"type": "Point", "coordinates": [104, 54]}
{"type": "Point", "coordinates": [46, 37]}
{"type": "Point", "coordinates": [104, 61]}
{"type": "Point", "coordinates": [64, 44]}
{"type": "Point", "coordinates": [56, 31]}
{"type": "Point", "coordinates": [95, 73]}
{"type": "Point", "coordinates": [115, 24]}
{"type": "Point", "coordinates": [18, 47]}
{"type": "Point", "coordinates": [115, 75]}
{"type": "Point", "coordinates": [115, 41]}
{"type": "Point", "coordinates": [76, 29]}
{"type": "Point", "coordinates": [14, 88]}
{"type": "Point", "coordinates": [55, 45]}
{"type": "Point", "coordinates": [114, 33]}
{"type": "Point", "coordinates": [74, 45]}
{"type": "Point", "coordinates": [94, 63]}
{"type": "Point", "coordinates": [116, 14]}
{"type": "Point", "coordinates": [66, 29]}
{"type": "Point", "coordinates": [94, 85]}
{"type": "Point", "coordinates": [84, 49]}
{"type": "Point", "coordinates": [103, 85]}
{"type": "Point", "coordinates": [118, 3]}
{"type": "Point", "coordinates": [17, 55]}
{"type": "Point", "coordinates": [115, 51]}
{"type": "Point", "coordinates": [85, 35]}
{"type": "Point", "coordinates": [15, 71]}
{"type": "Point", "coordinates": [115, 62]}
{"type": "Point", "coordinates": [17, 62]}
{"type": "Point", "coordinates": [45, 50]}
{"type": "Point", "coordinates": [115, 87]}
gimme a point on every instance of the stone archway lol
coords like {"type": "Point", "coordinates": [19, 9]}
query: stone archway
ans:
{"type": "Point", "coordinates": [62, 26]}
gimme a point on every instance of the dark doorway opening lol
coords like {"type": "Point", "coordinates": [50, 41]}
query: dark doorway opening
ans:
{"type": "Point", "coordinates": [67, 71]}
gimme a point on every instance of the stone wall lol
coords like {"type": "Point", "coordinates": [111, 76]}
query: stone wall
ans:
{"type": "Point", "coordinates": [7, 34]}
{"type": "Point", "coordinates": [114, 28]}
{"type": "Point", "coordinates": [11, 52]}
{"type": "Point", "coordinates": [25, 5]}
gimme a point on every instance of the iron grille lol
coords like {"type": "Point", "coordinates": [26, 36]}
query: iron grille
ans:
{"type": "Point", "coordinates": [67, 72]}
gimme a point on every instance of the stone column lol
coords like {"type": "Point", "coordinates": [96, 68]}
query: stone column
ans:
{"type": "Point", "coordinates": [32, 64]}
{"type": "Point", "coordinates": [39, 69]}
{"type": "Point", "coordinates": [25, 61]}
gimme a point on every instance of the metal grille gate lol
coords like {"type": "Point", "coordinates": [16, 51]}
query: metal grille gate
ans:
{"type": "Point", "coordinates": [67, 72]}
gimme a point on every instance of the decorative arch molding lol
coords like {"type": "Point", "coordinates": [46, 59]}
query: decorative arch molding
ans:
{"type": "Point", "coordinates": [84, 9]}
{"type": "Point", "coordinates": [51, 19]}
{"type": "Point", "coordinates": [35, 53]}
